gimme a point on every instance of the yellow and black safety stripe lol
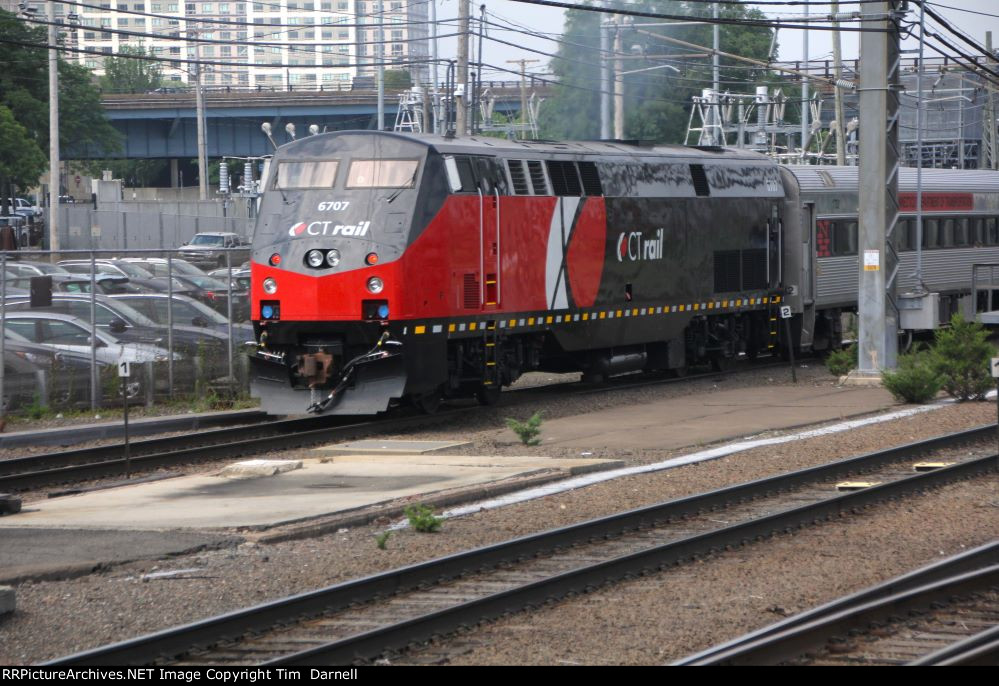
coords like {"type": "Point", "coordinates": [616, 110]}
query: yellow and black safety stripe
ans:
{"type": "Point", "coordinates": [519, 321]}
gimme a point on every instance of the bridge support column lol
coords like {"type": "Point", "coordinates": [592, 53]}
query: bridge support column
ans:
{"type": "Point", "coordinates": [174, 174]}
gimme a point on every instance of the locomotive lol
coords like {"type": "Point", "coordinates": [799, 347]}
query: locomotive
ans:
{"type": "Point", "coordinates": [391, 267]}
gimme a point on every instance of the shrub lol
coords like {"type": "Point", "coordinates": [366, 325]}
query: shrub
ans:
{"type": "Point", "coordinates": [422, 519]}
{"type": "Point", "coordinates": [527, 431]}
{"type": "Point", "coordinates": [841, 362]}
{"type": "Point", "coordinates": [960, 356]}
{"type": "Point", "coordinates": [915, 380]}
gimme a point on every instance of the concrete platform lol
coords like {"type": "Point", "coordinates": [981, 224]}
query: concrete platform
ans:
{"type": "Point", "coordinates": [708, 418]}
{"type": "Point", "coordinates": [391, 447]}
{"type": "Point", "coordinates": [322, 486]}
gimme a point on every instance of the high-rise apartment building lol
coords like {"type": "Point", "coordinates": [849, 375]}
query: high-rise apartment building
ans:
{"type": "Point", "coordinates": [278, 43]}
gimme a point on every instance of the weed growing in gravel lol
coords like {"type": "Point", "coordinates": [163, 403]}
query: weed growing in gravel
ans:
{"type": "Point", "coordinates": [527, 431]}
{"type": "Point", "coordinates": [381, 539]}
{"type": "Point", "coordinates": [422, 519]}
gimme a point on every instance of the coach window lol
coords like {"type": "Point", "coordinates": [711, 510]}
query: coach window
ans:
{"type": "Point", "coordinates": [976, 237]}
{"type": "Point", "coordinates": [906, 232]}
{"type": "Point", "coordinates": [313, 174]}
{"type": "Point", "coordinates": [930, 229]}
{"type": "Point", "coordinates": [945, 236]}
{"type": "Point", "coordinates": [844, 238]}
{"type": "Point", "coordinates": [961, 232]}
{"type": "Point", "coordinates": [991, 231]}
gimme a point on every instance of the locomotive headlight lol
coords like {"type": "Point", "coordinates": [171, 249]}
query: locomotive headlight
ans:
{"type": "Point", "coordinates": [270, 286]}
{"type": "Point", "coordinates": [333, 257]}
{"type": "Point", "coordinates": [375, 285]}
{"type": "Point", "coordinates": [315, 258]}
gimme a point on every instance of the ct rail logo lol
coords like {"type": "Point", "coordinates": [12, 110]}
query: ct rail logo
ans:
{"type": "Point", "coordinates": [634, 246]}
{"type": "Point", "coordinates": [328, 228]}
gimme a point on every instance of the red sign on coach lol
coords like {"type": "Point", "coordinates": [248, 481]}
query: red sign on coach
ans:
{"type": "Point", "coordinates": [937, 202]}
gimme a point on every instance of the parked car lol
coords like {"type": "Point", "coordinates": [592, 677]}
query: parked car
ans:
{"type": "Point", "coordinates": [69, 334]}
{"type": "Point", "coordinates": [158, 266]}
{"type": "Point", "coordinates": [20, 204]}
{"type": "Point", "coordinates": [240, 277]}
{"type": "Point", "coordinates": [107, 284]}
{"type": "Point", "coordinates": [208, 250]}
{"type": "Point", "coordinates": [25, 268]}
{"type": "Point", "coordinates": [68, 372]}
{"type": "Point", "coordinates": [185, 311]}
{"type": "Point", "coordinates": [134, 273]}
{"type": "Point", "coordinates": [215, 294]}
{"type": "Point", "coordinates": [126, 323]}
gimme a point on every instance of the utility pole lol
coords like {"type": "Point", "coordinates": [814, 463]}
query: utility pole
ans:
{"type": "Point", "coordinates": [837, 92]}
{"type": "Point", "coordinates": [988, 158]}
{"type": "Point", "coordinates": [461, 115]}
{"type": "Point", "coordinates": [878, 212]}
{"type": "Point", "coordinates": [524, 114]}
{"type": "Point", "coordinates": [804, 94]}
{"type": "Point", "coordinates": [380, 70]}
{"type": "Point", "coordinates": [199, 99]}
{"type": "Point", "coordinates": [605, 79]}
{"type": "Point", "coordinates": [53, 130]}
{"type": "Point", "coordinates": [618, 85]}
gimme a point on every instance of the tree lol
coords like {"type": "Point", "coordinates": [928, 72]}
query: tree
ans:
{"type": "Point", "coordinates": [83, 127]}
{"type": "Point", "coordinates": [398, 79]}
{"type": "Point", "coordinates": [657, 101]}
{"type": "Point", "coordinates": [22, 162]}
{"type": "Point", "coordinates": [128, 73]}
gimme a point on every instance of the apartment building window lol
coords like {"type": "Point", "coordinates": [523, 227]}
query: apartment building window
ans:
{"type": "Point", "coordinates": [225, 35]}
{"type": "Point", "coordinates": [155, 7]}
{"type": "Point", "coordinates": [327, 35]}
{"type": "Point", "coordinates": [343, 34]}
{"type": "Point", "coordinates": [342, 5]}
{"type": "Point", "coordinates": [309, 6]}
{"type": "Point", "coordinates": [396, 34]}
{"type": "Point", "coordinates": [292, 6]}
{"type": "Point", "coordinates": [172, 6]}
{"type": "Point", "coordinates": [174, 51]}
{"type": "Point", "coordinates": [223, 8]}
{"type": "Point", "coordinates": [241, 35]}
{"type": "Point", "coordinates": [326, 6]}
{"type": "Point", "coordinates": [310, 35]}
{"type": "Point", "coordinates": [139, 7]}
{"type": "Point", "coordinates": [190, 8]}
{"type": "Point", "coordinates": [206, 8]}
{"type": "Point", "coordinates": [225, 51]}
{"type": "Point", "coordinates": [157, 22]}
{"type": "Point", "coordinates": [89, 35]}
{"type": "Point", "coordinates": [258, 7]}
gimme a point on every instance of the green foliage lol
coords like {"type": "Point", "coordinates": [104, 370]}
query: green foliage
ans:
{"type": "Point", "coordinates": [128, 72]}
{"type": "Point", "coordinates": [22, 162]}
{"type": "Point", "coordinates": [527, 431]}
{"type": "Point", "coordinates": [398, 79]}
{"type": "Point", "coordinates": [381, 539]}
{"type": "Point", "coordinates": [35, 410]}
{"type": "Point", "coordinates": [422, 519]}
{"type": "Point", "coordinates": [657, 101]}
{"type": "Point", "coordinates": [840, 362]}
{"type": "Point", "coordinates": [961, 354]}
{"type": "Point", "coordinates": [83, 127]}
{"type": "Point", "coordinates": [914, 381]}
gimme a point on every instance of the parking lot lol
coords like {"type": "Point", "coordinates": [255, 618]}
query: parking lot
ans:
{"type": "Point", "coordinates": [70, 318]}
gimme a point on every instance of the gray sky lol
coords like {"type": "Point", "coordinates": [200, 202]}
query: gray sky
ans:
{"type": "Point", "coordinates": [550, 21]}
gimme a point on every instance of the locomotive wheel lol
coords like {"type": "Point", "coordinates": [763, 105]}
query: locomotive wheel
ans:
{"type": "Point", "coordinates": [488, 395]}
{"type": "Point", "coordinates": [429, 402]}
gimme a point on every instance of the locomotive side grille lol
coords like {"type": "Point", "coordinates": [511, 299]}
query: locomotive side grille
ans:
{"type": "Point", "coordinates": [471, 292]}
{"type": "Point", "coordinates": [537, 172]}
{"type": "Point", "coordinates": [727, 274]}
{"type": "Point", "coordinates": [701, 186]}
{"type": "Point", "coordinates": [754, 269]}
{"type": "Point", "coordinates": [519, 177]}
{"type": "Point", "coordinates": [591, 179]}
{"type": "Point", "coordinates": [565, 180]}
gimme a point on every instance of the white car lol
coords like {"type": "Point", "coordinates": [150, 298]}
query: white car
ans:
{"type": "Point", "coordinates": [20, 204]}
{"type": "Point", "coordinates": [69, 334]}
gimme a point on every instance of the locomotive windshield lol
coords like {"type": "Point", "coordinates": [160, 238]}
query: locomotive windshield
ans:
{"type": "Point", "coordinates": [315, 174]}
{"type": "Point", "coordinates": [382, 174]}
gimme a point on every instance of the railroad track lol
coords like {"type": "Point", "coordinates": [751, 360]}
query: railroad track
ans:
{"type": "Point", "coordinates": [944, 614]}
{"type": "Point", "coordinates": [108, 461]}
{"type": "Point", "coordinates": [365, 618]}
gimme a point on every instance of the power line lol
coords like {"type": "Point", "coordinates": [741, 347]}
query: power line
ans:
{"type": "Point", "coordinates": [765, 23]}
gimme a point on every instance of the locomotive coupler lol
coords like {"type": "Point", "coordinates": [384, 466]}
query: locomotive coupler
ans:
{"type": "Point", "coordinates": [385, 348]}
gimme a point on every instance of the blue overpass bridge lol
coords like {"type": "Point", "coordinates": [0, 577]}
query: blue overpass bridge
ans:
{"type": "Point", "coordinates": [163, 124]}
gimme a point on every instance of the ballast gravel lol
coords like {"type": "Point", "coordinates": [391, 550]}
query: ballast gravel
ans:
{"type": "Point", "coordinates": [687, 609]}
